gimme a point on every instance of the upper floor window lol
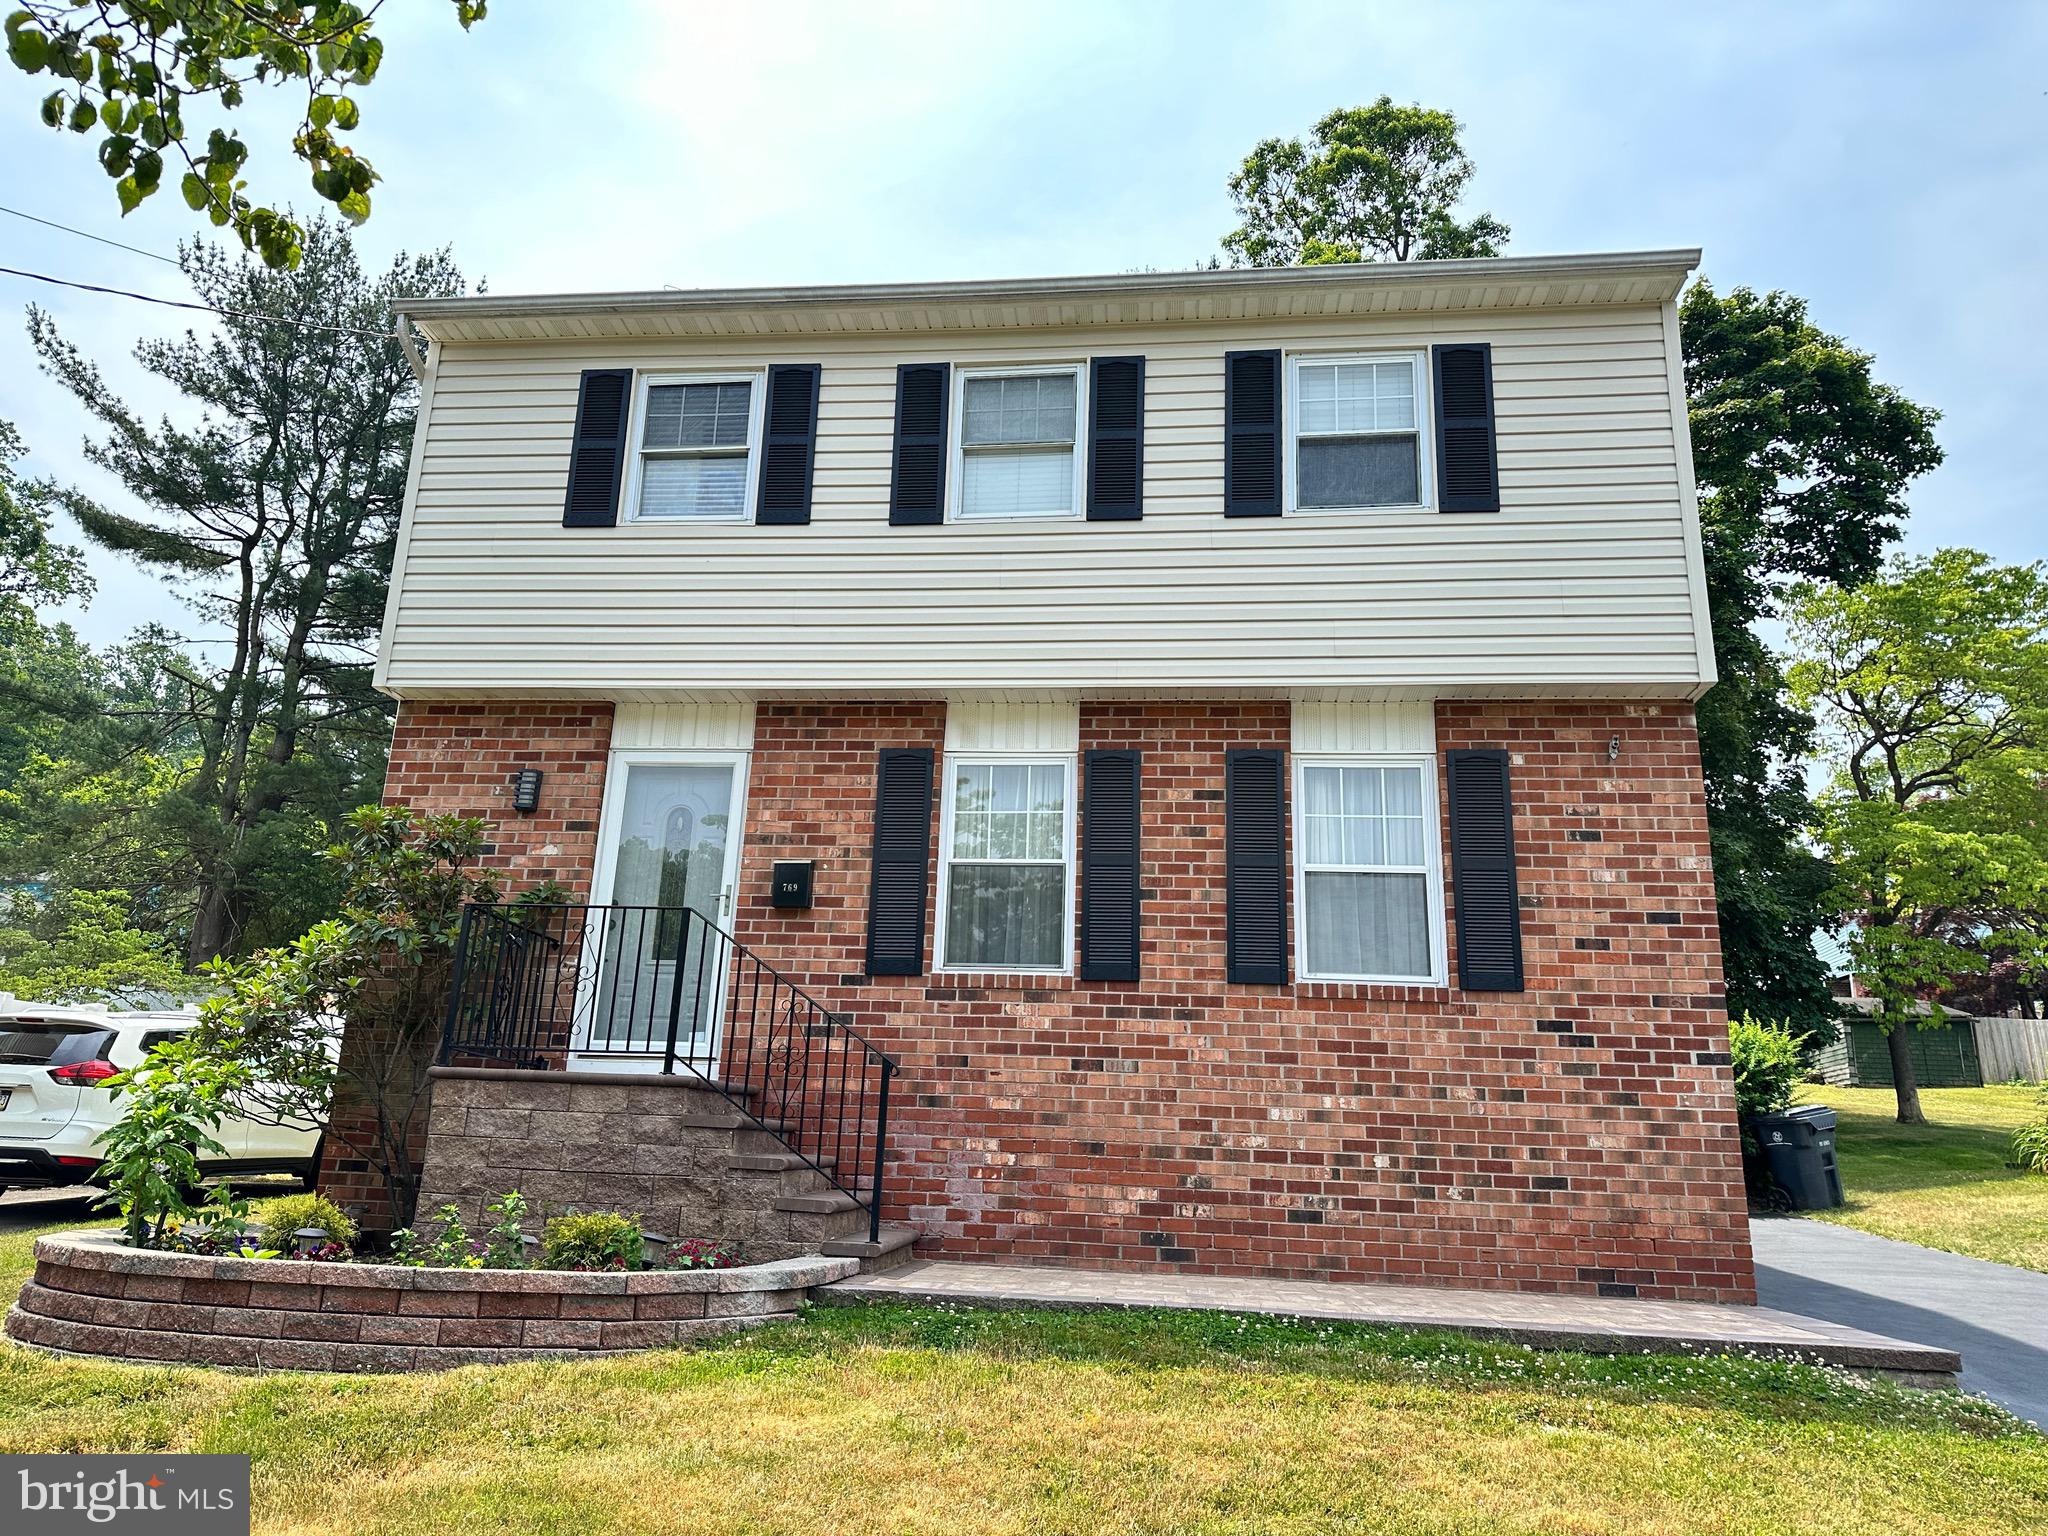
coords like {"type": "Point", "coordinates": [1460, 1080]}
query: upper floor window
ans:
{"type": "Point", "coordinates": [696, 453]}
{"type": "Point", "coordinates": [1360, 425]}
{"type": "Point", "coordinates": [1017, 442]}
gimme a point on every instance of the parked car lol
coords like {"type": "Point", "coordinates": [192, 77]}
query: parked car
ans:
{"type": "Point", "coordinates": [54, 1064]}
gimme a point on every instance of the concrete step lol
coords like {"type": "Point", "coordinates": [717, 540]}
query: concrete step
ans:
{"type": "Point", "coordinates": [775, 1162]}
{"type": "Point", "coordinates": [823, 1202]}
{"type": "Point", "coordinates": [894, 1247]}
{"type": "Point", "coordinates": [738, 1121]}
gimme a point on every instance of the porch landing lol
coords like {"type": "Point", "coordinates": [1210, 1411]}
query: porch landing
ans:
{"type": "Point", "coordinates": [1596, 1325]}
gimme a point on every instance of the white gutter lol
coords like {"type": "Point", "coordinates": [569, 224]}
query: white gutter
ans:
{"type": "Point", "coordinates": [402, 324]}
{"type": "Point", "coordinates": [1492, 270]}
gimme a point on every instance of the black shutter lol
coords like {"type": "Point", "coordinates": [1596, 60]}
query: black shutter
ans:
{"type": "Point", "coordinates": [917, 479]}
{"type": "Point", "coordinates": [1251, 434]}
{"type": "Point", "coordinates": [792, 441]}
{"type": "Point", "coordinates": [1255, 866]}
{"type": "Point", "coordinates": [1483, 872]}
{"type": "Point", "coordinates": [1467, 474]}
{"type": "Point", "coordinates": [902, 861]}
{"type": "Point", "coordinates": [1109, 867]}
{"type": "Point", "coordinates": [597, 452]}
{"type": "Point", "coordinates": [1116, 439]}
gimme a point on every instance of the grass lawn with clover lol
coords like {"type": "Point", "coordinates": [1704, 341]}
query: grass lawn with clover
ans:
{"type": "Point", "coordinates": [1944, 1184]}
{"type": "Point", "coordinates": [919, 1419]}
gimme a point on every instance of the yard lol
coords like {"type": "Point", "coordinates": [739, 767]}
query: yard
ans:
{"type": "Point", "coordinates": [1944, 1184]}
{"type": "Point", "coordinates": [918, 1419]}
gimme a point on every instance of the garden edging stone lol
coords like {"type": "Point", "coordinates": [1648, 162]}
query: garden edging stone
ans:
{"type": "Point", "coordinates": [91, 1294]}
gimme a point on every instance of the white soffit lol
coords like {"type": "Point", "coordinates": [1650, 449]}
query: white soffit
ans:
{"type": "Point", "coordinates": [684, 727]}
{"type": "Point", "coordinates": [1407, 726]}
{"type": "Point", "coordinates": [1050, 728]}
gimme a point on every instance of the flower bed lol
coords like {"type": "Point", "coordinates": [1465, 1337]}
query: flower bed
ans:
{"type": "Point", "coordinates": [92, 1294]}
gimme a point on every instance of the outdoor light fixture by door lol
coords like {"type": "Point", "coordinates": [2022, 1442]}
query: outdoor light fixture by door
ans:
{"type": "Point", "coordinates": [526, 790]}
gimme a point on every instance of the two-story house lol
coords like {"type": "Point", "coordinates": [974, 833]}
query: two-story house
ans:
{"type": "Point", "coordinates": [1225, 737]}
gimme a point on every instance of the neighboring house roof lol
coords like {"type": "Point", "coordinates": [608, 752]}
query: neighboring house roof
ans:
{"type": "Point", "coordinates": [1250, 293]}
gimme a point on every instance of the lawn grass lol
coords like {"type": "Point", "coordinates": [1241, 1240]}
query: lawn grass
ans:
{"type": "Point", "coordinates": [1944, 1184]}
{"type": "Point", "coordinates": [923, 1419]}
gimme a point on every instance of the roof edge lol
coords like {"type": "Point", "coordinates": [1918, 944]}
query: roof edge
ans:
{"type": "Point", "coordinates": [1595, 265]}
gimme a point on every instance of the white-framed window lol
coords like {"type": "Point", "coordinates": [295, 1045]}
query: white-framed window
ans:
{"type": "Point", "coordinates": [1368, 869]}
{"type": "Point", "coordinates": [1006, 874]}
{"type": "Point", "coordinates": [1017, 441]}
{"type": "Point", "coordinates": [696, 447]}
{"type": "Point", "coordinates": [1359, 432]}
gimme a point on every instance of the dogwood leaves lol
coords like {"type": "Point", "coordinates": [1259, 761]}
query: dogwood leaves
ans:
{"type": "Point", "coordinates": [131, 69]}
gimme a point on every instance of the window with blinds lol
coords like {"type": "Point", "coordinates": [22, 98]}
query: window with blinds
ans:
{"type": "Point", "coordinates": [1017, 444]}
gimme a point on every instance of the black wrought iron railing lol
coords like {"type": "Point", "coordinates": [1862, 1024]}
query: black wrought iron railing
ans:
{"type": "Point", "coordinates": [665, 988]}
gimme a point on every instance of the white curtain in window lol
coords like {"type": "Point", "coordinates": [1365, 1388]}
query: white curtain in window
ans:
{"type": "Point", "coordinates": [1365, 870]}
{"type": "Point", "coordinates": [1006, 896]}
{"type": "Point", "coordinates": [1368, 925]}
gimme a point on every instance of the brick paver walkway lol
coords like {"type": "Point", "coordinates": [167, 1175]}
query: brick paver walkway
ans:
{"type": "Point", "coordinates": [1555, 1322]}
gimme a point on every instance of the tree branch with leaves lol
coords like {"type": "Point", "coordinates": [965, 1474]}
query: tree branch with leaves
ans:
{"type": "Point", "coordinates": [133, 69]}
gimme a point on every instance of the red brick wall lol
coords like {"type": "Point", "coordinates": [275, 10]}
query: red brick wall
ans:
{"type": "Point", "coordinates": [460, 759]}
{"type": "Point", "coordinates": [1576, 1136]}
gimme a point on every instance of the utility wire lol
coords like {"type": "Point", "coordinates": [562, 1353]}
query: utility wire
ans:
{"type": "Point", "coordinates": [83, 235]}
{"type": "Point", "coordinates": [211, 309]}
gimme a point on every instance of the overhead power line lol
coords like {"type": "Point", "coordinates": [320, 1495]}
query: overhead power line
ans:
{"type": "Point", "coordinates": [168, 261]}
{"type": "Point", "coordinates": [211, 309]}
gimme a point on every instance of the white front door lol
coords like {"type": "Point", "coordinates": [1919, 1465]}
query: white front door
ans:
{"type": "Point", "coordinates": [655, 946]}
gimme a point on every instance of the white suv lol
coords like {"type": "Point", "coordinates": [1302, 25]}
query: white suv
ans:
{"type": "Point", "coordinates": [54, 1062]}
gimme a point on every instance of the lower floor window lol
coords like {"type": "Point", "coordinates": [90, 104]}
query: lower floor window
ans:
{"type": "Point", "coordinates": [1006, 875]}
{"type": "Point", "coordinates": [1366, 847]}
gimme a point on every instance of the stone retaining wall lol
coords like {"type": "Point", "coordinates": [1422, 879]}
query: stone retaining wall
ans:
{"type": "Point", "coordinates": [94, 1295]}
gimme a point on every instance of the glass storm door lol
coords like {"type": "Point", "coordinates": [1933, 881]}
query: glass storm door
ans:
{"type": "Point", "coordinates": [668, 873]}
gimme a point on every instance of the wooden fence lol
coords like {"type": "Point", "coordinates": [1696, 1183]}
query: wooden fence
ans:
{"type": "Point", "coordinates": [2013, 1048]}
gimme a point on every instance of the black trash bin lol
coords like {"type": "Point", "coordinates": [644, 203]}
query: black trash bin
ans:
{"type": "Point", "coordinates": [1799, 1149]}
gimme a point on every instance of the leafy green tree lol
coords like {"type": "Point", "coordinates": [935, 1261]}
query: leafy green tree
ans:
{"type": "Point", "coordinates": [1803, 459]}
{"type": "Point", "coordinates": [276, 514]}
{"type": "Point", "coordinates": [133, 69]}
{"type": "Point", "coordinates": [382, 966]}
{"type": "Point", "coordinates": [34, 568]}
{"type": "Point", "coordinates": [79, 948]}
{"type": "Point", "coordinates": [1377, 183]}
{"type": "Point", "coordinates": [1930, 689]}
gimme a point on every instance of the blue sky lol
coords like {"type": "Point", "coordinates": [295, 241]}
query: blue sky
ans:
{"type": "Point", "coordinates": [1886, 162]}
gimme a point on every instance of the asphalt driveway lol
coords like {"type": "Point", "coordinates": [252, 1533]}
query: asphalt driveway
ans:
{"type": "Point", "coordinates": [1995, 1316]}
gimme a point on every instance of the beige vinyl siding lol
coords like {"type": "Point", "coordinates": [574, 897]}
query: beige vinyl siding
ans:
{"type": "Point", "coordinates": [1582, 582]}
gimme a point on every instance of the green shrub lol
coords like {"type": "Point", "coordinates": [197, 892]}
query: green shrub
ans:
{"type": "Point", "coordinates": [2030, 1143]}
{"type": "Point", "coordinates": [281, 1217]}
{"type": "Point", "coordinates": [1767, 1065]}
{"type": "Point", "coordinates": [454, 1248]}
{"type": "Point", "coordinates": [596, 1240]}
{"type": "Point", "coordinates": [150, 1157]}
{"type": "Point", "coordinates": [507, 1240]}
